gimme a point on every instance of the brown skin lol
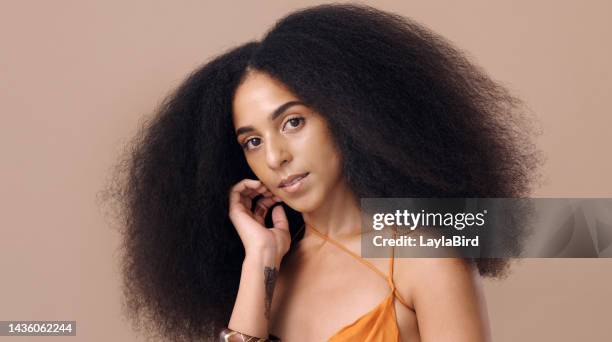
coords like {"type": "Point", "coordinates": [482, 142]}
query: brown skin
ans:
{"type": "Point", "coordinates": [311, 299]}
{"type": "Point", "coordinates": [290, 145]}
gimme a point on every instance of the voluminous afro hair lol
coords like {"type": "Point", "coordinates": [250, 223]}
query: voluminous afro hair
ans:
{"type": "Point", "coordinates": [411, 115]}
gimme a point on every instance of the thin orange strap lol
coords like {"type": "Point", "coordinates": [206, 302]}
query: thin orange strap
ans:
{"type": "Point", "coordinates": [393, 288]}
{"type": "Point", "coordinates": [363, 261]}
{"type": "Point", "coordinates": [391, 259]}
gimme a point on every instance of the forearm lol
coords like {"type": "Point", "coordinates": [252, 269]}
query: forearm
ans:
{"type": "Point", "coordinates": [251, 313]}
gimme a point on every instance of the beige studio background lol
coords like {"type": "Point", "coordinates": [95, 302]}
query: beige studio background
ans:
{"type": "Point", "coordinates": [76, 78]}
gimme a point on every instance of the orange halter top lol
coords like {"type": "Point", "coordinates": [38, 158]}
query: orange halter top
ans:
{"type": "Point", "coordinates": [380, 323]}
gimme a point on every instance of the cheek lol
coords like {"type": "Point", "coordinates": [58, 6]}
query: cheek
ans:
{"type": "Point", "coordinates": [257, 167]}
{"type": "Point", "coordinates": [332, 155]}
{"type": "Point", "coordinates": [262, 173]}
{"type": "Point", "coordinates": [335, 169]}
{"type": "Point", "coordinates": [330, 164]}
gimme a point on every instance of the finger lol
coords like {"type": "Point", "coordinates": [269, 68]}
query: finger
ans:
{"type": "Point", "coordinates": [246, 197]}
{"type": "Point", "coordinates": [242, 193]}
{"type": "Point", "coordinates": [253, 191]}
{"type": "Point", "coordinates": [249, 193]}
{"type": "Point", "coordinates": [267, 193]}
{"type": "Point", "coordinates": [248, 183]}
{"type": "Point", "coordinates": [261, 208]}
{"type": "Point", "coordinates": [244, 184]}
{"type": "Point", "coordinates": [260, 214]}
{"type": "Point", "coordinates": [263, 190]}
{"type": "Point", "coordinates": [270, 194]}
{"type": "Point", "coordinates": [279, 218]}
{"type": "Point", "coordinates": [266, 202]}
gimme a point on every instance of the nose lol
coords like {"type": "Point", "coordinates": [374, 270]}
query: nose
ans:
{"type": "Point", "coordinates": [277, 153]}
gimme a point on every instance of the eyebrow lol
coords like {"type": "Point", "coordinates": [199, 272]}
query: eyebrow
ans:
{"type": "Point", "coordinates": [280, 110]}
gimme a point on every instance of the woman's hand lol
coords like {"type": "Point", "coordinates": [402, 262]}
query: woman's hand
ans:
{"type": "Point", "coordinates": [255, 237]}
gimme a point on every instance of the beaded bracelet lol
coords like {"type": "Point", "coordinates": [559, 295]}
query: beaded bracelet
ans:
{"type": "Point", "coordinates": [226, 333]}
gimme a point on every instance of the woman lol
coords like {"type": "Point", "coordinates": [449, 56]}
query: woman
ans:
{"type": "Point", "coordinates": [241, 196]}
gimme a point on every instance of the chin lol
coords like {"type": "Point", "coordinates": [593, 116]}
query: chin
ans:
{"type": "Point", "coordinates": [304, 204]}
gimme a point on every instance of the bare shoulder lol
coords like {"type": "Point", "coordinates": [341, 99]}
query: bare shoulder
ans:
{"type": "Point", "coordinates": [424, 271]}
{"type": "Point", "coordinates": [447, 296]}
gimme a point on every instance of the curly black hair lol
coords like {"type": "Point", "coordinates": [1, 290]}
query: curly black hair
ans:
{"type": "Point", "coordinates": [412, 117]}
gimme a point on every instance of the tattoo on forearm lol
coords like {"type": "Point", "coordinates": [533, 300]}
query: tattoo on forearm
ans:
{"type": "Point", "coordinates": [270, 274]}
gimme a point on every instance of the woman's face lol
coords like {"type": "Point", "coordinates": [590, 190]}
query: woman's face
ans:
{"type": "Point", "coordinates": [282, 138]}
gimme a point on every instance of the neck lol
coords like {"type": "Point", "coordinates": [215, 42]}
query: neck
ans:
{"type": "Point", "coordinates": [338, 217]}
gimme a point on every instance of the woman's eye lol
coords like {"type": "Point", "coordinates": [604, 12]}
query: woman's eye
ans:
{"type": "Point", "coordinates": [294, 122]}
{"type": "Point", "coordinates": [245, 145]}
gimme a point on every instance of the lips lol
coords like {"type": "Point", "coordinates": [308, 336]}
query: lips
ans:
{"type": "Point", "coordinates": [291, 179]}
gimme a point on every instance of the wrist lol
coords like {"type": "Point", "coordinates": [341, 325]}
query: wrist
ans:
{"type": "Point", "coordinates": [266, 256]}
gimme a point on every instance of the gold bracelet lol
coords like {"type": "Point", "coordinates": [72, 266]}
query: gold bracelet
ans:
{"type": "Point", "coordinates": [227, 333]}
